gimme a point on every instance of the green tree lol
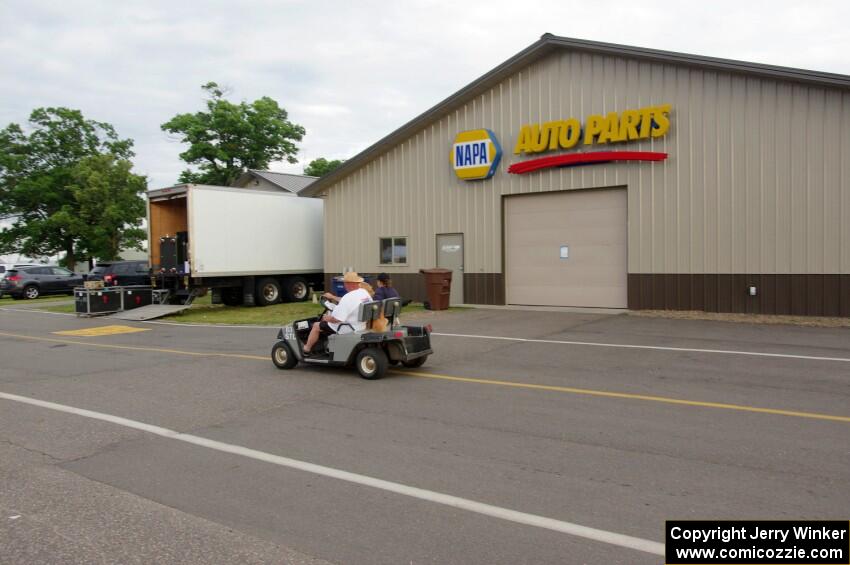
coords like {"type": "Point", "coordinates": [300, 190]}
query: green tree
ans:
{"type": "Point", "coordinates": [227, 139]}
{"type": "Point", "coordinates": [321, 166]}
{"type": "Point", "coordinates": [37, 170]}
{"type": "Point", "coordinates": [110, 206]}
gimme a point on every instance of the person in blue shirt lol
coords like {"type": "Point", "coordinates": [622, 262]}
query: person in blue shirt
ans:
{"type": "Point", "coordinates": [385, 288]}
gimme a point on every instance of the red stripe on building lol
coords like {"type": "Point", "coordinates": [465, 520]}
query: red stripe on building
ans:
{"type": "Point", "coordinates": [584, 159]}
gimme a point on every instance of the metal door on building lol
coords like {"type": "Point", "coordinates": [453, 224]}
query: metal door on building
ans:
{"type": "Point", "coordinates": [567, 248]}
{"type": "Point", "coordinates": [450, 256]}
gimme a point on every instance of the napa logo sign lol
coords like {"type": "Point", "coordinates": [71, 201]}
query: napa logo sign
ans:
{"type": "Point", "coordinates": [475, 154]}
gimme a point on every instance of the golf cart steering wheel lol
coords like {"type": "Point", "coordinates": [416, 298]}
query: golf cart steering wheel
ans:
{"type": "Point", "coordinates": [328, 306]}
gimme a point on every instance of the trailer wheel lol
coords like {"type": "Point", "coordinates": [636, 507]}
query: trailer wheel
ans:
{"type": "Point", "coordinates": [371, 363]}
{"type": "Point", "coordinates": [282, 356]}
{"type": "Point", "coordinates": [268, 292]}
{"type": "Point", "coordinates": [297, 289]}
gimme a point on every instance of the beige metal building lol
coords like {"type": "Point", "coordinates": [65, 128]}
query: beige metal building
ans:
{"type": "Point", "coordinates": [628, 177]}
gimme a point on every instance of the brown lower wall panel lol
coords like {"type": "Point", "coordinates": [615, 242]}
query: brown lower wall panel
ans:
{"type": "Point", "coordinates": [783, 294]}
{"type": "Point", "coordinates": [804, 295]}
{"type": "Point", "coordinates": [844, 305]}
{"type": "Point", "coordinates": [768, 295]}
{"type": "Point", "coordinates": [484, 288]}
{"type": "Point", "coordinates": [685, 293]}
{"type": "Point", "coordinates": [831, 295]}
{"type": "Point", "coordinates": [697, 291]}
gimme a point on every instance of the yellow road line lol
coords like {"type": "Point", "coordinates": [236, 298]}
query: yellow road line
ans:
{"type": "Point", "coordinates": [630, 396]}
{"type": "Point", "coordinates": [102, 330]}
{"type": "Point", "coordinates": [528, 386]}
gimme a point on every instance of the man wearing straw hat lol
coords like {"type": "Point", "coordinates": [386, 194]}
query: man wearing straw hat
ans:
{"type": "Point", "coordinates": [344, 314]}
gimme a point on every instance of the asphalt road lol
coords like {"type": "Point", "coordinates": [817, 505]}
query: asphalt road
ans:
{"type": "Point", "coordinates": [561, 428]}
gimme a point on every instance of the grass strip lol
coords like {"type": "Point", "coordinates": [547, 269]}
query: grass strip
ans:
{"type": "Point", "coordinates": [203, 312]}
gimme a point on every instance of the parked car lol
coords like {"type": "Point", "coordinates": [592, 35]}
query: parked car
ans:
{"type": "Point", "coordinates": [32, 282]}
{"type": "Point", "coordinates": [121, 273]}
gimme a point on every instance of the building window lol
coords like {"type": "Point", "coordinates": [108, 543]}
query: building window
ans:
{"type": "Point", "coordinates": [393, 251]}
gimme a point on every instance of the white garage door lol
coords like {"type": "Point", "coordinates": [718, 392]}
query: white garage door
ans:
{"type": "Point", "coordinates": [567, 248]}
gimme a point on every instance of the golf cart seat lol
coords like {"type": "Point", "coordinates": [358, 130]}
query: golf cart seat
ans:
{"type": "Point", "coordinates": [392, 309]}
{"type": "Point", "coordinates": [369, 312]}
{"type": "Point", "coordinates": [386, 310]}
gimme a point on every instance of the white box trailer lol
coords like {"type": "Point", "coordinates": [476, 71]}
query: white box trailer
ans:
{"type": "Point", "coordinates": [249, 246]}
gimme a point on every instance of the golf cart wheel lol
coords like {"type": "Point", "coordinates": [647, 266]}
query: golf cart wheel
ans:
{"type": "Point", "coordinates": [282, 356]}
{"type": "Point", "coordinates": [268, 292]}
{"type": "Point", "coordinates": [418, 362]}
{"type": "Point", "coordinates": [297, 289]}
{"type": "Point", "coordinates": [31, 292]}
{"type": "Point", "coordinates": [371, 363]}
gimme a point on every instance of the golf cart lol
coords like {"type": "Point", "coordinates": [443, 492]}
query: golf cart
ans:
{"type": "Point", "coordinates": [371, 352]}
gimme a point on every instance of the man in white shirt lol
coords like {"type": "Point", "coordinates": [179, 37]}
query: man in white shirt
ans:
{"type": "Point", "coordinates": [343, 318]}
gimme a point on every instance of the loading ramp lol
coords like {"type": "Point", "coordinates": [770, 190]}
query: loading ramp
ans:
{"type": "Point", "coordinates": [150, 312]}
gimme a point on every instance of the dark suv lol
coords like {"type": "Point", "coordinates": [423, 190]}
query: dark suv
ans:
{"type": "Point", "coordinates": [32, 282]}
{"type": "Point", "coordinates": [121, 273]}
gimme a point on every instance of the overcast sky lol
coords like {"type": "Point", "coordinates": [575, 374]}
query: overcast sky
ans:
{"type": "Point", "coordinates": [349, 72]}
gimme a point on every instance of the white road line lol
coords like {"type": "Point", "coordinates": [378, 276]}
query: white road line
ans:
{"type": "Point", "coordinates": [654, 347]}
{"type": "Point", "coordinates": [518, 339]}
{"type": "Point", "coordinates": [578, 530]}
{"type": "Point", "coordinates": [32, 310]}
